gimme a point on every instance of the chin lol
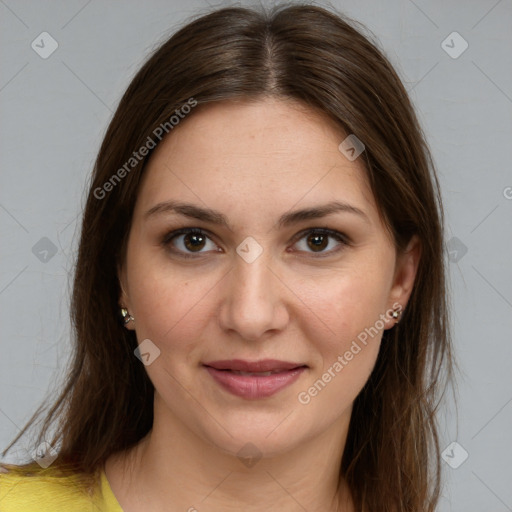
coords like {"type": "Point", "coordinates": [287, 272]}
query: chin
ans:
{"type": "Point", "coordinates": [254, 436]}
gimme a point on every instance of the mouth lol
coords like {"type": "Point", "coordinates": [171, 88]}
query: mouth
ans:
{"type": "Point", "coordinates": [254, 380]}
{"type": "Point", "coordinates": [254, 374]}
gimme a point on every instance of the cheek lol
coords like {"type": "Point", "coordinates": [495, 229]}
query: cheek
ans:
{"type": "Point", "coordinates": [340, 307]}
{"type": "Point", "coordinates": [166, 307]}
{"type": "Point", "coordinates": [343, 366]}
{"type": "Point", "coordinates": [169, 306]}
{"type": "Point", "coordinates": [173, 306]}
{"type": "Point", "coordinates": [343, 322]}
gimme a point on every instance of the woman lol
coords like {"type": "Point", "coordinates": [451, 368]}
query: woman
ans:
{"type": "Point", "coordinates": [265, 220]}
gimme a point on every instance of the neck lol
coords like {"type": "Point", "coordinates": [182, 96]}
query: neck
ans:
{"type": "Point", "coordinates": [175, 469]}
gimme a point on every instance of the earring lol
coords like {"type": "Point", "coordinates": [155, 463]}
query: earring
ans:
{"type": "Point", "coordinates": [126, 317]}
{"type": "Point", "coordinates": [396, 315]}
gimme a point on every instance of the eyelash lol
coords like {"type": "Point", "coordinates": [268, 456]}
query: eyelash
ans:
{"type": "Point", "coordinates": [338, 236]}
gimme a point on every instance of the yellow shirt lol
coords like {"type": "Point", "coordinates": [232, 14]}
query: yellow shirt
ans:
{"type": "Point", "coordinates": [53, 494]}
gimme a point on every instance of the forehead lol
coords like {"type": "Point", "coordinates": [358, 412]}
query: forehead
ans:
{"type": "Point", "coordinates": [270, 154]}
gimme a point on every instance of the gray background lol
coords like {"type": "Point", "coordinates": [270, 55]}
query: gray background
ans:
{"type": "Point", "coordinates": [54, 112]}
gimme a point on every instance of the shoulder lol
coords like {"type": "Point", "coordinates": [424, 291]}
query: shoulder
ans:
{"type": "Point", "coordinates": [46, 492]}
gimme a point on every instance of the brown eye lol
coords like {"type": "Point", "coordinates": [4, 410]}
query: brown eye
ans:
{"type": "Point", "coordinates": [318, 242]}
{"type": "Point", "coordinates": [194, 241]}
{"type": "Point", "coordinates": [322, 241]}
{"type": "Point", "coordinates": [188, 241]}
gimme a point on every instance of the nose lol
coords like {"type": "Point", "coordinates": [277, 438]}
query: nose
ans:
{"type": "Point", "coordinates": [254, 302]}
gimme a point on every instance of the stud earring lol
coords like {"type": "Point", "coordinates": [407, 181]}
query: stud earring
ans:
{"type": "Point", "coordinates": [396, 315]}
{"type": "Point", "coordinates": [126, 317]}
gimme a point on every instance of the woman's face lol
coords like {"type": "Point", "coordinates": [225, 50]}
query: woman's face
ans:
{"type": "Point", "coordinates": [258, 280]}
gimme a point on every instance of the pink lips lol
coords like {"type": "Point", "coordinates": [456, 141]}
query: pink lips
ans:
{"type": "Point", "coordinates": [251, 380]}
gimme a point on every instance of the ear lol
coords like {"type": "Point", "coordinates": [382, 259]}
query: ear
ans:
{"type": "Point", "coordinates": [404, 277]}
{"type": "Point", "coordinates": [124, 298]}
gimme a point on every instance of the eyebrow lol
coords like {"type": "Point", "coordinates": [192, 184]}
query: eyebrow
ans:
{"type": "Point", "coordinates": [193, 211]}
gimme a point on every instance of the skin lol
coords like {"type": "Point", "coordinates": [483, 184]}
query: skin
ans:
{"type": "Point", "coordinates": [253, 162]}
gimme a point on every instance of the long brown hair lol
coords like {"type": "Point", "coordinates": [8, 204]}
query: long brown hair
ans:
{"type": "Point", "coordinates": [305, 53]}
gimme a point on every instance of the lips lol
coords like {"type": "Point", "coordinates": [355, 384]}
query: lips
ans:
{"type": "Point", "coordinates": [265, 365]}
{"type": "Point", "coordinates": [254, 374]}
{"type": "Point", "coordinates": [254, 380]}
